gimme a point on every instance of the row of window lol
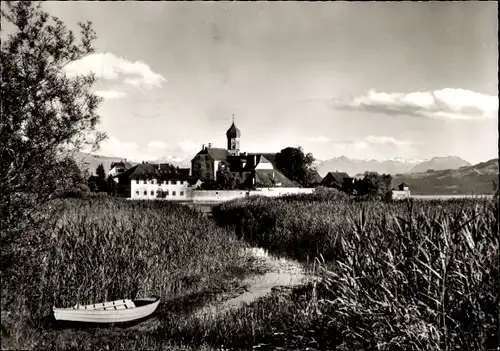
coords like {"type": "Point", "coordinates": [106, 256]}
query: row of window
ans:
{"type": "Point", "coordinates": [166, 193]}
{"type": "Point", "coordinates": [153, 181]}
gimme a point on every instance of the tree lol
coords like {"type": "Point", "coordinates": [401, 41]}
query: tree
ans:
{"type": "Point", "coordinates": [100, 172]}
{"type": "Point", "coordinates": [295, 165]}
{"type": "Point", "coordinates": [46, 115]}
{"type": "Point", "coordinates": [76, 185]}
{"type": "Point", "coordinates": [227, 181]}
{"type": "Point", "coordinates": [374, 185]}
{"type": "Point", "coordinates": [111, 186]}
{"type": "Point", "coordinates": [102, 183]}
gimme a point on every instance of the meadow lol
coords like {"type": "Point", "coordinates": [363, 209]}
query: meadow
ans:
{"type": "Point", "coordinates": [414, 275]}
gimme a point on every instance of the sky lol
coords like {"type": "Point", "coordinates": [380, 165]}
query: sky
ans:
{"type": "Point", "coordinates": [371, 80]}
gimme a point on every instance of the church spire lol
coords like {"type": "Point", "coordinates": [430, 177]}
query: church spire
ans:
{"type": "Point", "coordinates": [233, 139]}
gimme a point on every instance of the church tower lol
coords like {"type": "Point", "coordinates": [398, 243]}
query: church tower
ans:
{"type": "Point", "coordinates": [233, 140]}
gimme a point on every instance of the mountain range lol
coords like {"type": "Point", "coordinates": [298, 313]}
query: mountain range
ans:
{"type": "Point", "coordinates": [476, 179]}
{"type": "Point", "coordinates": [392, 166]}
{"type": "Point", "coordinates": [90, 162]}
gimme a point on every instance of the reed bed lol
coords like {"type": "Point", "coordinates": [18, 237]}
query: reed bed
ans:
{"type": "Point", "coordinates": [403, 275]}
{"type": "Point", "coordinates": [104, 249]}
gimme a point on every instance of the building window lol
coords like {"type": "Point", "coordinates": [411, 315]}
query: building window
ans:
{"type": "Point", "coordinates": [152, 181]}
{"type": "Point", "coordinates": [145, 192]}
{"type": "Point", "coordinates": [152, 192]}
{"type": "Point", "coordinates": [173, 192]}
{"type": "Point", "coordinates": [137, 181]}
{"type": "Point", "coordinates": [166, 193]}
{"type": "Point", "coordinates": [181, 193]}
{"type": "Point", "coordinates": [137, 192]}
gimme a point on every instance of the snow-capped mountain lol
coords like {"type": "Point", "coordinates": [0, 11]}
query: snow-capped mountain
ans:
{"type": "Point", "coordinates": [440, 163]}
{"type": "Point", "coordinates": [394, 165]}
{"type": "Point", "coordinates": [174, 161]}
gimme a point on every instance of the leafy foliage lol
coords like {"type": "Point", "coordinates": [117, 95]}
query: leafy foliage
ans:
{"type": "Point", "coordinates": [100, 172]}
{"type": "Point", "coordinates": [45, 114]}
{"type": "Point", "coordinates": [373, 185]}
{"type": "Point", "coordinates": [227, 181]}
{"type": "Point", "coordinates": [295, 164]}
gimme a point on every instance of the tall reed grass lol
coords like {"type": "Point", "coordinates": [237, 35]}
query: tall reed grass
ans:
{"type": "Point", "coordinates": [403, 275]}
{"type": "Point", "coordinates": [105, 249]}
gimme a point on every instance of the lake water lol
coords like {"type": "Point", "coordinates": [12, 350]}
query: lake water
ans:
{"type": "Point", "coordinates": [450, 197]}
{"type": "Point", "coordinates": [282, 273]}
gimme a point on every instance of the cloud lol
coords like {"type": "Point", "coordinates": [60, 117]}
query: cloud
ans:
{"type": "Point", "coordinates": [188, 146]}
{"type": "Point", "coordinates": [115, 147]}
{"type": "Point", "coordinates": [318, 139]}
{"type": "Point", "coordinates": [108, 66]}
{"type": "Point", "coordinates": [447, 104]}
{"type": "Point", "coordinates": [385, 140]}
{"type": "Point", "coordinates": [157, 144]}
{"type": "Point", "coordinates": [179, 150]}
{"type": "Point", "coordinates": [110, 94]}
{"type": "Point", "coordinates": [371, 141]}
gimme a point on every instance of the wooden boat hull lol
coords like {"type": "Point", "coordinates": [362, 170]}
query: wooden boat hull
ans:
{"type": "Point", "coordinates": [119, 311]}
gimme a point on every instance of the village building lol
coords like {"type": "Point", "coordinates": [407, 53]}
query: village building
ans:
{"type": "Point", "coordinates": [155, 181]}
{"type": "Point", "coordinates": [163, 181]}
{"type": "Point", "coordinates": [251, 170]}
{"type": "Point", "coordinates": [337, 180]}
{"type": "Point", "coordinates": [402, 192]}
{"type": "Point", "coordinates": [118, 168]}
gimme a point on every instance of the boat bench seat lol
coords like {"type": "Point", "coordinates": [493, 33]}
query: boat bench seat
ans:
{"type": "Point", "coordinates": [108, 306]}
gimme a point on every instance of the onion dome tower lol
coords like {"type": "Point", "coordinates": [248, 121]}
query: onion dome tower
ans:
{"type": "Point", "coordinates": [233, 140]}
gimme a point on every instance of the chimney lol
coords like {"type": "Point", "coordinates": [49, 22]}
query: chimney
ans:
{"type": "Point", "coordinates": [203, 147]}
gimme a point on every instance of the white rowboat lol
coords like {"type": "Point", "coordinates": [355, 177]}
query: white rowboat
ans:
{"type": "Point", "coordinates": [119, 311]}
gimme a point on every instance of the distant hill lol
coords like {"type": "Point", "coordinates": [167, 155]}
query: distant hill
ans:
{"type": "Point", "coordinates": [440, 163]}
{"type": "Point", "coordinates": [475, 179]}
{"type": "Point", "coordinates": [90, 161]}
{"type": "Point", "coordinates": [354, 166]}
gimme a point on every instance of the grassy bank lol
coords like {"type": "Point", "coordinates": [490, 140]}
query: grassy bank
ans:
{"type": "Point", "coordinates": [104, 249]}
{"type": "Point", "coordinates": [411, 275]}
